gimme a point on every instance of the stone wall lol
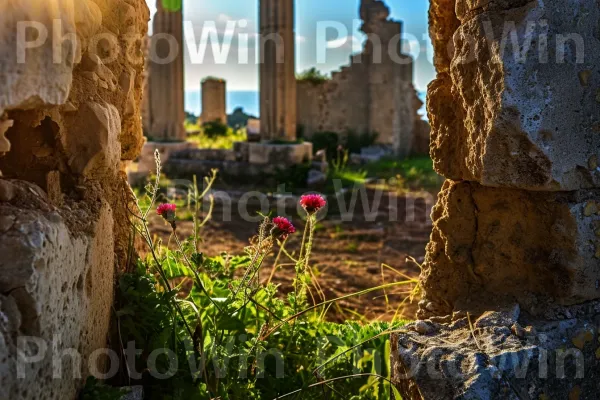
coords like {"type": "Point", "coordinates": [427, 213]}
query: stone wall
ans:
{"type": "Point", "coordinates": [69, 119]}
{"type": "Point", "coordinates": [512, 272]}
{"type": "Point", "coordinates": [214, 101]}
{"type": "Point", "coordinates": [375, 93]}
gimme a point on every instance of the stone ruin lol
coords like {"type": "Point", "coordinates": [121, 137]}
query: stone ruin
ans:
{"type": "Point", "coordinates": [214, 101]}
{"type": "Point", "coordinates": [277, 148]}
{"type": "Point", "coordinates": [374, 94]}
{"type": "Point", "coordinates": [69, 118]}
{"type": "Point", "coordinates": [165, 93]}
{"type": "Point", "coordinates": [511, 280]}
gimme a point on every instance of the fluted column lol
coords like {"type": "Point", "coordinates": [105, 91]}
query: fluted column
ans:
{"type": "Point", "coordinates": [277, 70]}
{"type": "Point", "coordinates": [166, 86]}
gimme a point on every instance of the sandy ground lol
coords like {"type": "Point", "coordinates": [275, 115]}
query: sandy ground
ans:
{"type": "Point", "coordinates": [348, 257]}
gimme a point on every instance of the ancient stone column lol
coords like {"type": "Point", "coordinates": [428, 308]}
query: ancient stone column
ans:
{"type": "Point", "coordinates": [166, 80]}
{"type": "Point", "coordinates": [277, 70]}
{"type": "Point", "coordinates": [511, 279]}
{"type": "Point", "coordinates": [214, 100]}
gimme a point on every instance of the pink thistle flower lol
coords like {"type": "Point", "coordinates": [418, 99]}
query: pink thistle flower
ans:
{"type": "Point", "coordinates": [312, 202]}
{"type": "Point", "coordinates": [167, 211]}
{"type": "Point", "coordinates": [283, 227]}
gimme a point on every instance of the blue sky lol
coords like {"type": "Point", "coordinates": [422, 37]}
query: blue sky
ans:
{"type": "Point", "coordinates": [328, 50]}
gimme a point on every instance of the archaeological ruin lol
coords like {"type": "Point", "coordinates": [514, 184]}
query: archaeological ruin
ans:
{"type": "Point", "coordinates": [374, 94]}
{"type": "Point", "coordinates": [509, 291]}
{"type": "Point", "coordinates": [511, 279]}
{"type": "Point", "coordinates": [214, 101]}
{"type": "Point", "coordinates": [165, 88]}
{"type": "Point", "coordinates": [67, 128]}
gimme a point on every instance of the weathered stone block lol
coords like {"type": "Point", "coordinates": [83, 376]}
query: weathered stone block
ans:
{"type": "Point", "coordinates": [524, 114]}
{"type": "Point", "coordinates": [98, 151]}
{"type": "Point", "coordinates": [279, 154]}
{"type": "Point", "coordinates": [29, 77]}
{"type": "Point", "coordinates": [459, 358]}
{"type": "Point", "coordinates": [56, 287]}
{"type": "Point", "coordinates": [490, 246]}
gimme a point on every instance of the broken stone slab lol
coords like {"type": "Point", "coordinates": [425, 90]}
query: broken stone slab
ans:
{"type": "Point", "coordinates": [527, 118]}
{"type": "Point", "coordinates": [466, 358]}
{"type": "Point", "coordinates": [490, 246]}
{"type": "Point", "coordinates": [279, 154]}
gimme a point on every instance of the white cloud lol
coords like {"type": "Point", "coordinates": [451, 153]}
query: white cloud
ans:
{"type": "Point", "coordinates": [300, 39]}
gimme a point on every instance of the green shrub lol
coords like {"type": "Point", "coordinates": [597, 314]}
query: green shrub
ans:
{"type": "Point", "coordinates": [313, 76]}
{"type": "Point", "coordinates": [214, 129]}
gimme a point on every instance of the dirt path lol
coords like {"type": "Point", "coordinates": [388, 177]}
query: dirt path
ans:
{"type": "Point", "coordinates": [347, 256]}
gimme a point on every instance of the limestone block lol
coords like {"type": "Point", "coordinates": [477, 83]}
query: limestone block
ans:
{"type": "Point", "coordinates": [56, 286]}
{"type": "Point", "coordinates": [527, 359]}
{"type": "Point", "coordinates": [29, 77]}
{"type": "Point", "coordinates": [92, 139]}
{"type": "Point", "coordinates": [279, 154]}
{"type": "Point", "coordinates": [165, 150]}
{"type": "Point", "coordinates": [527, 118]}
{"type": "Point", "coordinates": [492, 245]}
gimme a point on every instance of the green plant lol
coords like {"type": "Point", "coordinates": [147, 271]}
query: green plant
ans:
{"type": "Point", "coordinates": [218, 142]}
{"type": "Point", "coordinates": [233, 334]}
{"type": "Point", "coordinates": [96, 390]}
{"type": "Point", "coordinates": [214, 129]}
{"type": "Point", "coordinates": [313, 76]}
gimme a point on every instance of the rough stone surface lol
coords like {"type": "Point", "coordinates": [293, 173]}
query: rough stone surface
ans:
{"type": "Point", "coordinates": [527, 119]}
{"type": "Point", "coordinates": [512, 273]}
{"type": "Point", "coordinates": [65, 126]}
{"type": "Point", "coordinates": [37, 81]}
{"type": "Point", "coordinates": [532, 247]}
{"type": "Point", "coordinates": [544, 359]}
{"type": "Point", "coordinates": [54, 286]}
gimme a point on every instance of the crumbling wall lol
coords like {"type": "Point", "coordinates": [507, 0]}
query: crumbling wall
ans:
{"type": "Point", "coordinates": [516, 227]}
{"type": "Point", "coordinates": [69, 117]}
{"type": "Point", "coordinates": [374, 94]}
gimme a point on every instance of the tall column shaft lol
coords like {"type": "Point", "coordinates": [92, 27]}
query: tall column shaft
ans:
{"type": "Point", "coordinates": [277, 70]}
{"type": "Point", "coordinates": [166, 81]}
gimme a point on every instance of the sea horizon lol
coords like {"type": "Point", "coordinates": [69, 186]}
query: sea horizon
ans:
{"type": "Point", "coordinates": [248, 100]}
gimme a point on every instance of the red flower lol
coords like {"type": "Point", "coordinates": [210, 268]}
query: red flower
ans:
{"type": "Point", "coordinates": [283, 227]}
{"type": "Point", "coordinates": [167, 211]}
{"type": "Point", "coordinates": [312, 202]}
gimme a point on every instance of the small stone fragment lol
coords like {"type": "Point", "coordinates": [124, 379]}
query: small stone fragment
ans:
{"type": "Point", "coordinates": [423, 328]}
{"type": "Point", "coordinates": [7, 191]}
{"type": "Point", "coordinates": [518, 330]}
